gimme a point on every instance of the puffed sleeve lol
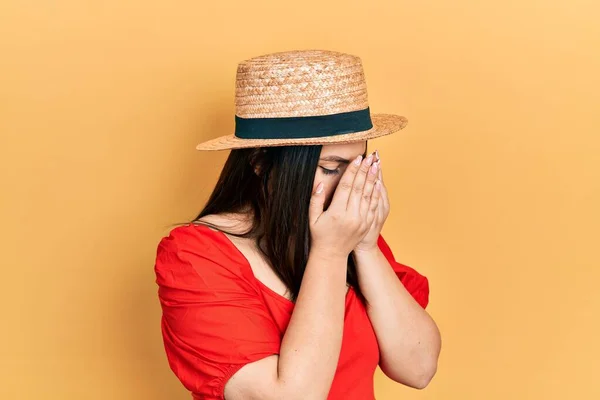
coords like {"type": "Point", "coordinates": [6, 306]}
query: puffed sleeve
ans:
{"type": "Point", "coordinates": [213, 318]}
{"type": "Point", "coordinates": [415, 283]}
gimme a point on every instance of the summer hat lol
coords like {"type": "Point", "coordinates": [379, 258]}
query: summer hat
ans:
{"type": "Point", "coordinates": [302, 97]}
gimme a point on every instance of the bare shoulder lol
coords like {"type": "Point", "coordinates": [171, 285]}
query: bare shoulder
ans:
{"type": "Point", "coordinates": [212, 220]}
{"type": "Point", "coordinates": [228, 222]}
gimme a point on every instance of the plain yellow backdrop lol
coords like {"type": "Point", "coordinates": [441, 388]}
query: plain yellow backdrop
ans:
{"type": "Point", "coordinates": [494, 184]}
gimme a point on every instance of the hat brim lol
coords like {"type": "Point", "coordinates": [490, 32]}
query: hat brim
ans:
{"type": "Point", "coordinates": [383, 124]}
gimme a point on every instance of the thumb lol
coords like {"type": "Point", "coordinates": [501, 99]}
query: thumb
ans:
{"type": "Point", "coordinates": [317, 201]}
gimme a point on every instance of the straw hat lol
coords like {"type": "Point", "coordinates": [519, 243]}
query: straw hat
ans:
{"type": "Point", "coordinates": [302, 97]}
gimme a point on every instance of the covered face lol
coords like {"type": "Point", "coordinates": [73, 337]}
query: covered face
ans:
{"type": "Point", "coordinates": [333, 161]}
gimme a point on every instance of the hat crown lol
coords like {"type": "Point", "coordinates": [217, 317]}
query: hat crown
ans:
{"type": "Point", "coordinates": [300, 83]}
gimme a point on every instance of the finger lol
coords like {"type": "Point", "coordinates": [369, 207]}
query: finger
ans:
{"type": "Point", "coordinates": [344, 187]}
{"type": "Point", "coordinates": [381, 209]}
{"type": "Point", "coordinates": [384, 192]}
{"type": "Point", "coordinates": [317, 200]}
{"type": "Point", "coordinates": [356, 195]}
{"type": "Point", "coordinates": [368, 190]}
{"type": "Point", "coordinates": [374, 203]}
{"type": "Point", "coordinates": [384, 196]}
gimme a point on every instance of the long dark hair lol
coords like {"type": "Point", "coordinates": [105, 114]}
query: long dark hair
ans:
{"type": "Point", "coordinates": [274, 184]}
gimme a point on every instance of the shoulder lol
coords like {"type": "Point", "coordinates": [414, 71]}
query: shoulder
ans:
{"type": "Point", "coordinates": [190, 235]}
{"type": "Point", "coordinates": [416, 283]}
{"type": "Point", "coordinates": [198, 252]}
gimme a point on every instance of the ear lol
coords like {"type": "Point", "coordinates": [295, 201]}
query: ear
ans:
{"type": "Point", "coordinates": [256, 160]}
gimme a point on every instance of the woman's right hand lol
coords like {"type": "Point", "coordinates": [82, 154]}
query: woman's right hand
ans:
{"type": "Point", "coordinates": [353, 208]}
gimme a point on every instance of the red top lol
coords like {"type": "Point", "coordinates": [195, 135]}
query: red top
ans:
{"type": "Point", "coordinates": [217, 316]}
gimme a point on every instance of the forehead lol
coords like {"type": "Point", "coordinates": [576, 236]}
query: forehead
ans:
{"type": "Point", "coordinates": [344, 150]}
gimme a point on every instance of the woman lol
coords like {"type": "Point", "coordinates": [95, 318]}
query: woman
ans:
{"type": "Point", "coordinates": [283, 287]}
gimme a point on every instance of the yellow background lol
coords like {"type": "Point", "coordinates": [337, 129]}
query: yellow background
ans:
{"type": "Point", "coordinates": [495, 184]}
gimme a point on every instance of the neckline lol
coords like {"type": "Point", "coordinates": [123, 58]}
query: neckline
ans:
{"type": "Point", "coordinates": [246, 263]}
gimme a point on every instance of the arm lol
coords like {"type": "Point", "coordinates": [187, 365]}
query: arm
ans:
{"type": "Point", "coordinates": [310, 348]}
{"type": "Point", "coordinates": [409, 340]}
{"type": "Point", "coordinates": [311, 345]}
{"type": "Point", "coordinates": [221, 340]}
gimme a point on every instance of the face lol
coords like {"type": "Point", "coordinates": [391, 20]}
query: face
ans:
{"type": "Point", "coordinates": [333, 161]}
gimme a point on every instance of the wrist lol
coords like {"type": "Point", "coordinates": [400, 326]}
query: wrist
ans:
{"type": "Point", "coordinates": [328, 255]}
{"type": "Point", "coordinates": [366, 252]}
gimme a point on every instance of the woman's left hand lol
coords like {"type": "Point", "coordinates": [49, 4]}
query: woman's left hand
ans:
{"type": "Point", "coordinates": [369, 242]}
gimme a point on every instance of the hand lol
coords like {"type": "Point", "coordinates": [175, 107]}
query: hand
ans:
{"type": "Point", "coordinates": [369, 241]}
{"type": "Point", "coordinates": [351, 213]}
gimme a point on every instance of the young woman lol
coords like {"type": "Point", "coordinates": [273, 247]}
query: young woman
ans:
{"type": "Point", "coordinates": [283, 287]}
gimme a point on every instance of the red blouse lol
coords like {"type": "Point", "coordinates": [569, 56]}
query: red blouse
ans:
{"type": "Point", "coordinates": [217, 316]}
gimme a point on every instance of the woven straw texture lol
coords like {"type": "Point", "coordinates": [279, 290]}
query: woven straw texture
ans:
{"type": "Point", "coordinates": [302, 83]}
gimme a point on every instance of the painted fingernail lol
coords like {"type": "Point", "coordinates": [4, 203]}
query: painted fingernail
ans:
{"type": "Point", "coordinates": [369, 159]}
{"type": "Point", "coordinates": [377, 155]}
{"type": "Point", "coordinates": [373, 169]}
{"type": "Point", "coordinates": [358, 160]}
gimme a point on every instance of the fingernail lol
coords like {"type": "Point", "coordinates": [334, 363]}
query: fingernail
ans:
{"type": "Point", "coordinates": [377, 155]}
{"type": "Point", "coordinates": [378, 184]}
{"type": "Point", "coordinates": [369, 159]}
{"type": "Point", "coordinates": [320, 188]}
{"type": "Point", "coordinates": [358, 160]}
